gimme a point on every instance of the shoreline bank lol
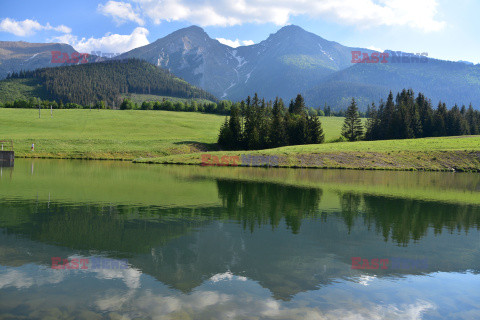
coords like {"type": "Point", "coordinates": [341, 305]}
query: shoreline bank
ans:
{"type": "Point", "coordinates": [447, 161]}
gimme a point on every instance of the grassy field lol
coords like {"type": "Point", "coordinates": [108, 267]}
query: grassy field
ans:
{"type": "Point", "coordinates": [432, 154]}
{"type": "Point", "coordinates": [115, 134]}
{"type": "Point", "coordinates": [181, 138]}
{"type": "Point", "coordinates": [107, 134]}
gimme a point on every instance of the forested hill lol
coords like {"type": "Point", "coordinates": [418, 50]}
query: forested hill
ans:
{"type": "Point", "coordinates": [107, 81]}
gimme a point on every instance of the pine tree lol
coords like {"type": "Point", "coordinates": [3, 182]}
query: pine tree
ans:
{"type": "Point", "coordinates": [279, 134]}
{"type": "Point", "coordinates": [249, 124]}
{"type": "Point", "coordinates": [315, 133]}
{"type": "Point", "coordinates": [439, 120]}
{"type": "Point", "coordinates": [235, 126]}
{"type": "Point", "coordinates": [373, 124]}
{"type": "Point", "coordinates": [471, 119]}
{"type": "Point", "coordinates": [264, 125]}
{"type": "Point", "coordinates": [388, 119]}
{"type": "Point", "coordinates": [225, 136]}
{"type": "Point", "coordinates": [352, 127]}
{"type": "Point", "coordinates": [298, 106]}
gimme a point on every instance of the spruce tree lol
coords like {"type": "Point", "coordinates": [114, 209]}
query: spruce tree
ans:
{"type": "Point", "coordinates": [235, 126]}
{"type": "Point", "coordinates": [352, 127]}
{"type": "Point", "coordinates": [278, 128]}
{"type": "Point", "coordinates": [225, 136]}
{"type": "Point", "coordinates": [440, 116]}
{"type": "Point", "coordinates": [373, 124]}
{"type": "Point", "coordinates": [388, 119]}
{"type": "Point", "coordinates": [298, 106]}
{"type": "Point", "coordinates": [315, 133]}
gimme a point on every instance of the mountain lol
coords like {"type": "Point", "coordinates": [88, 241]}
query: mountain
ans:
{"type": "Point", "coordinates": [450, 82]}
{"type": "Point", "coordinates": [285, 64]}
{"type": "Point", "coordinates": [294, 61]}
{"type": "Point", "coordinates": [19, 55]}
{"type": "Point", "coordinates": [288, 62]}
{"type": "Point", "coordinates": [91, 82]}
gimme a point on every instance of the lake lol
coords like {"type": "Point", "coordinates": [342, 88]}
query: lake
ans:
{"type": "Point", "coordinates": [114, 240]}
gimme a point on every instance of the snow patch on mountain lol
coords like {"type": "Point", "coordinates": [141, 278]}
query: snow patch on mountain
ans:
{"type": "Point", "coordinates": [241, 60]}
{"type": "Point", "coordinates": [36, 54]}
{"type": "Point", "coordinates": [248, 76]}
{"type": "Point", "coordinates": [325, 53]}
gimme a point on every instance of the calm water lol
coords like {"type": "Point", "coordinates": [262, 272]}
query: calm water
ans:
{"type": "Point", "coordinates": [168, 242]}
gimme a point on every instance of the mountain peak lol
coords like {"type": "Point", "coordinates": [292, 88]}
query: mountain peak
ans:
{"type": "Point", "coordinates": [191, 30]}
{"type": "Point", "coordinates": [291, 28]}
{"type": "Point", "coordinates": [293, 33]}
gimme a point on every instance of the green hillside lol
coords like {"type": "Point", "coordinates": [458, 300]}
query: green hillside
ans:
{"type": "Point", "coordinates": [104, 81]}
{"type": "Point", "coordinates": [116, 134]}
{"type": "Point", "coordinates": [430, 154]}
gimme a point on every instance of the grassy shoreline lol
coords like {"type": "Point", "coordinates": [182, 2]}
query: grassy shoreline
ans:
{"type": "Point", "coordinates": [432, 154]}
{"type": "Point", "coordinates": [166, 137]}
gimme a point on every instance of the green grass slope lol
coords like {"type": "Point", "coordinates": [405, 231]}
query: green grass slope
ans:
{"type": "Point", "coordinates": [430, 154]}
{"type": "Point", "coordinates": [115, 134]}
{"type": "Point", "coordinates": [107, 134]}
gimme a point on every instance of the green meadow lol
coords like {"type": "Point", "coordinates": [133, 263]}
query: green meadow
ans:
{"type": "Point", "coordinates": [429, 154]}
{"type": "Point", "coordinates": [116, 134]}
{"type": "Point", "coordinates": [181, 137]}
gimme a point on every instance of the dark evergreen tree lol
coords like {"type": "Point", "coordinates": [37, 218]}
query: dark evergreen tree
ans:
{"type": "Point", "coordinates": [315, 133]}
{"type": "Point", "coordinates": [352, 127]}
{"type": "Point", "coordinates": [225, 136]}
{"type": "Point", "coordinates": [235, 125]}
{"type": "Point", "coordinates": [298, 106]}
{"type": "Point", "coordinates": [278, 128]}
{"type": "Point", "coordinates": [439, 118]}
{"type": "Point", "coordinates": [373, 124]}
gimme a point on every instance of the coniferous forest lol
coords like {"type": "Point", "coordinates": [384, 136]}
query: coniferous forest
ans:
{"type": "Point", "coordinates": [86, 84]}
{"type": "Point", "coordinates": [409, 117]}
{"type": "Point", "coordinates": [256, 124]}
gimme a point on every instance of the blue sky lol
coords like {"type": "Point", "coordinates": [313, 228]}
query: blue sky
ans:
{"type": "Point", "coordinates": [444, 29]}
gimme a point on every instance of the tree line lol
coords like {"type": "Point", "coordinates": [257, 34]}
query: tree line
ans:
{"type": "Point", "coordinates": [205, 106]}
{"type": "Point", "coordinates": [409, 117]}
{"type": "Point", "coordinates": [257, 124]}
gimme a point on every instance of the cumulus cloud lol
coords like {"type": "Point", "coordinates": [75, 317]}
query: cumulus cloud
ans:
{"type": "Point", "coordinates": [235, 43]}
{"type": "Point", "coordinates": [28, 27]}
{"type": "Point", "coordinates": [20, 278]}
{"type": "Point", "coordinates": [111, 43]}
{"type": "Point", "coordinates": [121, 12]}
{"type": "Point", "coordinates": [418, 14]}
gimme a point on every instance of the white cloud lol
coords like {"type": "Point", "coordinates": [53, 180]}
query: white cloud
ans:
{"type": "Point", "coordinates": [235, 43]}
{"type": "Point", "coordinates": [28, 27]}
{"type": "Point", "coordinates": [418, 14]}
{"type": "Point", "coordinates": [375, 49]}
{"type": "Point", "coordinates": [226, 276]}
{"type": "Point", "coordinates": [121, 12]}
{"type": "Point", "coordinates": [110, 43]}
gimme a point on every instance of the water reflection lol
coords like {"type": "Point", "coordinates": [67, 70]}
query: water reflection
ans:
{"type": "Point", "coordinates": [263, 250]}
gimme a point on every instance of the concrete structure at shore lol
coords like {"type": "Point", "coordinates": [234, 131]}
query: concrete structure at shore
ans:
{"type": "Point", "coordinates": [7, 158]}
